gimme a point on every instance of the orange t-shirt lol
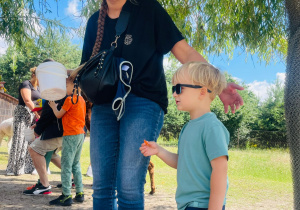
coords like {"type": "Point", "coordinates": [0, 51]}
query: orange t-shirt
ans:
{"type": "Point", "coordinates": [74, 119]}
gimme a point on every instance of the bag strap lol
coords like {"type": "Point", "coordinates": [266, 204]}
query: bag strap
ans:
{"type": "Point", "coordinates": [121, 26]}
{"type": "Point", "coordinates": [122, 22]}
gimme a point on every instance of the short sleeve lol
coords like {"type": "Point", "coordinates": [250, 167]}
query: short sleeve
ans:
{"type": "Point", "coordinates": [25, 84]}
{"type": "Point", "coordinates": [67, 104]}
{"type": "Point", "coordinates": [166, 33]}
{"type": "Point", "coordinates": [216, 142]}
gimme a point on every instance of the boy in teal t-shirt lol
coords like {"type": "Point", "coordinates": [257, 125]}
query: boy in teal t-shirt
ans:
{"type": "Point", "coordinates": [202, 156]}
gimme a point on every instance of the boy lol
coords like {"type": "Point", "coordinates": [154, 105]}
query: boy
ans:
{"type": "Point", "coordinates": [202, 156]}
{"type": "Point", "coordinates": [73, 120]}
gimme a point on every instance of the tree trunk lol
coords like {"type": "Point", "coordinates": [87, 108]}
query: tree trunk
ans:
{"type": "Point", "coordinates": [292, 94]}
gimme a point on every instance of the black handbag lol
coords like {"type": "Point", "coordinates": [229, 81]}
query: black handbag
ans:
{"type": "Point", "coordinates": [98, 78]}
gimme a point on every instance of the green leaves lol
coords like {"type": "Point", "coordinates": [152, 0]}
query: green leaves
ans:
{"type": "Point", "coordinates": [17, 61]}
{"type": "Point", "coordinates": [216, 26]}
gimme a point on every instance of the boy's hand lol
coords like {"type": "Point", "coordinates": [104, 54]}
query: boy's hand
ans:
{"type": "Point", "coordinates": [52, 104]}
{"type": "Point", "coordinates": [149, 148]}
{"type": "Point", "coordinates": [230, 97]}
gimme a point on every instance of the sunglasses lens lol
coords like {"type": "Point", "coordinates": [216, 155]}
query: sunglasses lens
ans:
{"type": "Point", "coordinates": [178, 89]}
{"type": "Point", "coordinates": [173, 89]}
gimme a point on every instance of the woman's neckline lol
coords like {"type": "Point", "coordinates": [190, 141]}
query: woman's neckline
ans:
{"type": "Point", "coordinates": [112, 19]}
{"type": "Point", "coordinates": [36, 88]}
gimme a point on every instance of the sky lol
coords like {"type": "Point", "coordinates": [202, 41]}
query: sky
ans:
{"type": "Point", "coordinates": [248, 69]}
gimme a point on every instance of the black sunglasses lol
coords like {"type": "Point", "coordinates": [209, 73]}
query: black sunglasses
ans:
{"type": "Point", "coordinates": [177, 88]}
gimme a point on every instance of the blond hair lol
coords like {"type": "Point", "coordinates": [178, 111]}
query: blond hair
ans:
{"type": "Point", "coordinates": [32, 70]}
{"type": "Point", "coordinates": [203, 74]}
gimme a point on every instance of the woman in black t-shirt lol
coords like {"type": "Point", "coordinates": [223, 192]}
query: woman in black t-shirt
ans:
{"type": "Point", "coordinates": [119, 168]}
{"type": "Point", "coordinates": [20, 161]}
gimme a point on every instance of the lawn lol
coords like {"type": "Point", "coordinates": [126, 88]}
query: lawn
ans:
{"type": "Point", "coordinates": [258, 179]}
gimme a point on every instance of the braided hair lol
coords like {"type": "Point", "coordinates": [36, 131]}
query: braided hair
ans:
{"type": "Point", "coordinates": [100, 30]}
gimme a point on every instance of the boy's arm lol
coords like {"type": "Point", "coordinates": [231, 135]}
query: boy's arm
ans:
{"type": "Point", "coordinates": [152, 148]}
{"type": "Point", "coordinates": [218, 183]}
{"type": "Point", "coordinates": [58, 114]}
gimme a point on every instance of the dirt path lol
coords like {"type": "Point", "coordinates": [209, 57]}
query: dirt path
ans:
{"type": "Point", "coordinates": [11, 197]}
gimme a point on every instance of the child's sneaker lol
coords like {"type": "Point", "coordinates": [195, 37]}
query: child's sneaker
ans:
{"type": "Point", "coordinates": [60, 185]}
{"type": "Point", "coordinates": [63, 200]}
{"type": "Point", "coordinates": [79, 197]}
{"type": "Point", "coordinates": [38, 189]}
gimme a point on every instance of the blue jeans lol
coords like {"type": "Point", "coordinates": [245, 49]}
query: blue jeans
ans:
{"type": "Point", "coordinates": [119, 168]}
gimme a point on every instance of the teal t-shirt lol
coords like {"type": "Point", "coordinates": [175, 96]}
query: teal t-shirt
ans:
{"type": "Point", "coordinates": [201, 140]}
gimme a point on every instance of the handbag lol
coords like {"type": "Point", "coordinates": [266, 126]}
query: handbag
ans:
{"type": "Point", "coordinates": [98, 78]}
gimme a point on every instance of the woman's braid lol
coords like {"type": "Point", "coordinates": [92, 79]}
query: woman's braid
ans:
{"type": "Point", "coordinates": [100, 30]}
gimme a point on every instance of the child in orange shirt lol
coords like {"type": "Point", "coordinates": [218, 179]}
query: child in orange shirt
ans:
{"type": "Point", "coordinates": [73, 120]}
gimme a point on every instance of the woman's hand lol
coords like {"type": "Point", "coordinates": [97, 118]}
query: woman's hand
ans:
{"type": "Point", "coordinates": [36, 115]}
{"type": "Point", "coordinates": [230, 97]}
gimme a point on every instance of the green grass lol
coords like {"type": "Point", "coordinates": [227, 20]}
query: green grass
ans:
{"type": "Point", "coordinates": [260, 179]}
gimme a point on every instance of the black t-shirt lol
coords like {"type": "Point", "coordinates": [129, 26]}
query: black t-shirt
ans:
{"type": "Point", "coordinates": [35, 94]}
{"type": "Point", "coordinates": [48, 126]}
{"type": "Point", "coordinates": [150, 34]}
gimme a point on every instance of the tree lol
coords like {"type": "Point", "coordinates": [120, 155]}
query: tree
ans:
{"type": "Point", "coordinates": [24, 20]}
{"type": "Point", "coordinates": [239, 124]}
{"type": "Point", "coordinates": [292, 93]}
{"type": "Point", "coordinates": [269, 130]}
{"type": "Point", "coordinates": [17, 61]}
{"type": "Point", "coordinates": [174, 120]}
{"type": "Point", "coordinates": [210, 26]}
{"type": "Point", "coordinates": [215, 26]}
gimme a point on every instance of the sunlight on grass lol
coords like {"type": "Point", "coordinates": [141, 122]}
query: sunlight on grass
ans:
{"type": "Point", "coordinates": [257, 178]}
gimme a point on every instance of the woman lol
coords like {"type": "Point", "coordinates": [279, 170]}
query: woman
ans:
{"type": "Point", "coordinates": [119, 169]}
{"type": "Point", "coordinates": [19, 159]}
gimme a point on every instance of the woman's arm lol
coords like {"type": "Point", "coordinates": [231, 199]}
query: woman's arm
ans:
{"type": "Point", "coordinates": [26, 95]}
{"type": "Point", "coordinates": [218, 183]}
{"type": "Point", "coordinates": [184, 53]}
{"type": "Point", "coordinates": [230, 97]}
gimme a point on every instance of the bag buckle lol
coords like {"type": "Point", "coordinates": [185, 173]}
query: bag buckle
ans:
{"type": "Point", "coordinates": [114, 43]}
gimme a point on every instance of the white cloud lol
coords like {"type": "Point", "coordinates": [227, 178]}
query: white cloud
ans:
{"type": "Point", "coordinates": [72, 8]}
{"type": "Point", "coordinates": [3, 46]}
{"type": "Point", "coordinates": [260, 88]}
{"type": "Point", "coordinates": [237, 79]}
{"type": "Point", "coordinates": [281, 77]}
